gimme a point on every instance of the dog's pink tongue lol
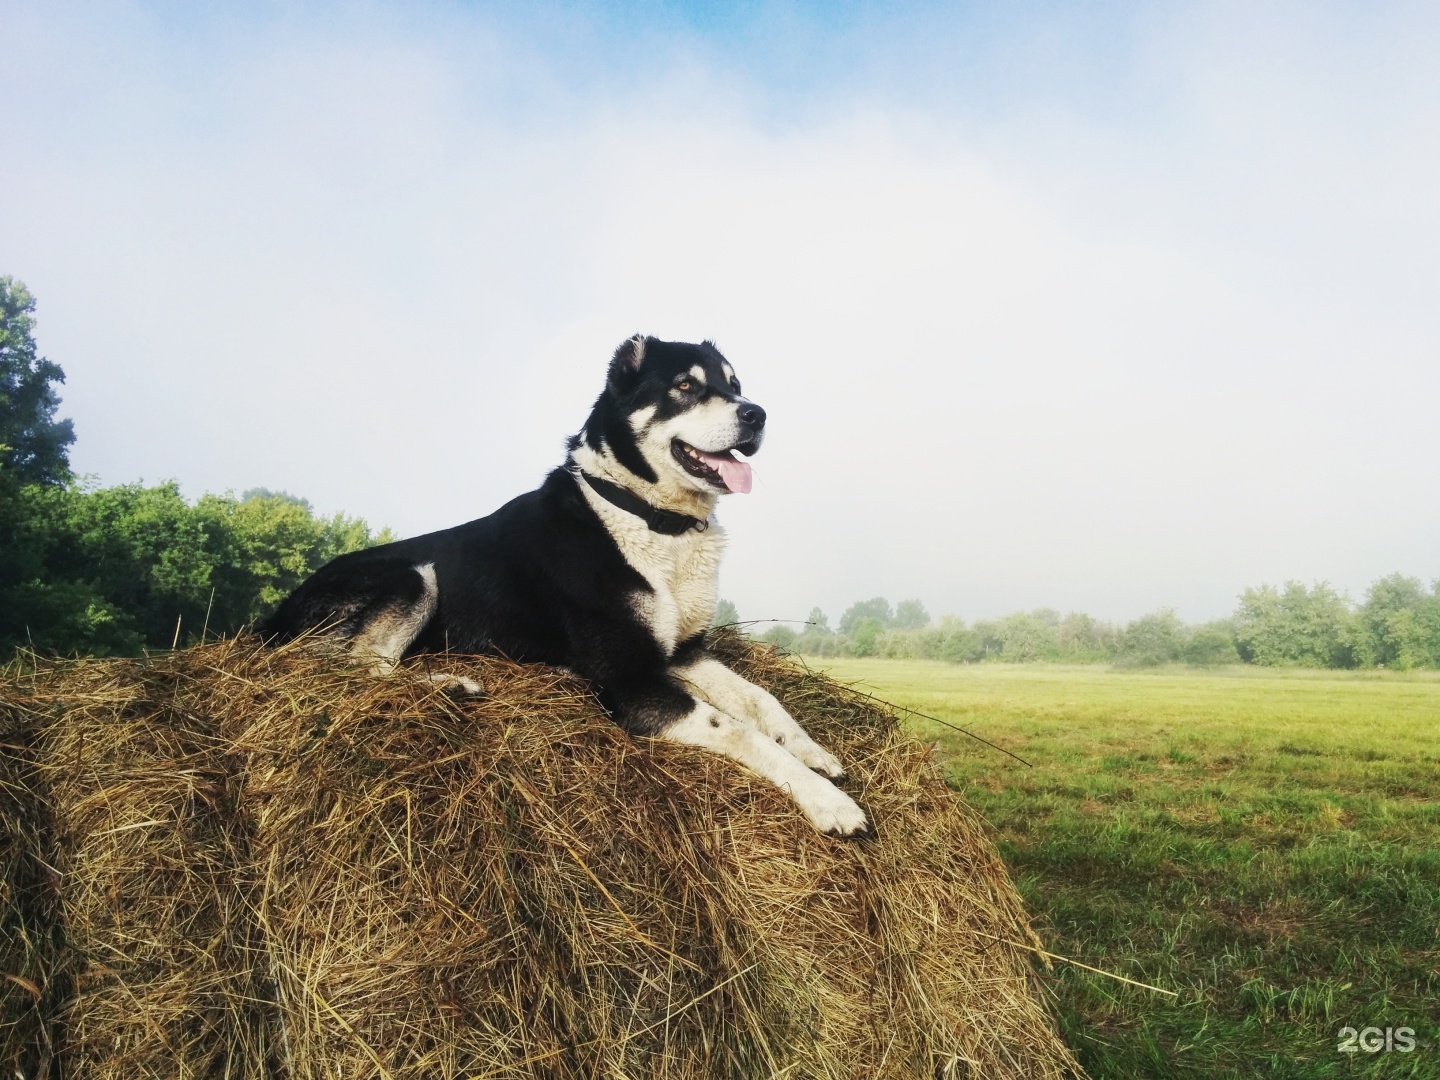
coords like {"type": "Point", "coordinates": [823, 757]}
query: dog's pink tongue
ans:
{"type": "Point", "coordinates": [734, 472]}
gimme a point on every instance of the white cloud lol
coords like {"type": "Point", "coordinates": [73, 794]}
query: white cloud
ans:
{"type": "Point", "coordinates": [1054, 358]}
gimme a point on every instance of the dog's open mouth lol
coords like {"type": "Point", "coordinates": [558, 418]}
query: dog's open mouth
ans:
{"type": "Point", "coordinates": [724, 469]}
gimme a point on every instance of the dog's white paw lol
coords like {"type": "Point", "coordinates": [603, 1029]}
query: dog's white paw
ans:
{"type": "Point", "coordinates": [814, 756]}
{"type": "Point", "coordinates": [831, 811]}
{"type": "Point", "coordinates": [457, 685]}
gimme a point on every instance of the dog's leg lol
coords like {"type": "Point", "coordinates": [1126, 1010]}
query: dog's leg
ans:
{"type": "Point", "coordinates": [634, 682]}
{"type": "Point", "coordinates": [715, 683]}
{"type": "Point", "coordinates": [827, 807]}
{"type": "Point", "coordinates": [392, 628]}
{"type": "Point", "coordinates": [387, 631]}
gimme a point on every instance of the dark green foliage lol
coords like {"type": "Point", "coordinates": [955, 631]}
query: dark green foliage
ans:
{"type": "Point", "coordinates": [32, 442]}
{"type": "Point", "coordinates": [110, 571]}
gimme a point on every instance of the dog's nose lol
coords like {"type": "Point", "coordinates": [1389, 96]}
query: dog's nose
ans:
{"type": "Point", "coordinates": [751, 415]}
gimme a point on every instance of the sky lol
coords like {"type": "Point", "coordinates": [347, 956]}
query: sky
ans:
{"type": "Point", "coordinates": [1098, 307]}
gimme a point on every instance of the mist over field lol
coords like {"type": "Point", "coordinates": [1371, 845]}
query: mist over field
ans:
{"type": "Point", "coordinates": [1100, 309]}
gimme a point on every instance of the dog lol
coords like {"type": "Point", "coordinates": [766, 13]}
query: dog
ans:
{"type": "Point", "coordinates": [608, 569]}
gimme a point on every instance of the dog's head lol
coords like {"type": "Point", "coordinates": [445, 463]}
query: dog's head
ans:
{"type": "Point", "coordinates": [672, 414]}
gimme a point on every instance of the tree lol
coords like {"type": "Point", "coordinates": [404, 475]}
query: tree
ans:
{"type": "Point", "coordinates": [283, 496]}
{"type": "Point", "coordinates": [815, 637]}
{"type": "Point", "coordinates": [1157, 638]}
{"type": "Point", "coordinates": [32, 442]}
{"type": "Point", "coordinates": [1082, 638]}
{"type": "Point", "coordinates": [877, 609]}
{"type": "Point", "coordinates": [725, 614]}
{"type": "Point", "coordinates": [1210, 644]}
{"type": "Point", "coordinates": [1309, 627]}
{"type": "Point", "coordinates": [1018, 638]}
{"type": "Point", "coordinates": [32, 456]}
{"type": "Point", "coordinates": [1399, 623]}
{"type": "Point", "coordinates": [911, 615]}
{"type": "Point", "coordinates": [114, 570]}
{"type": "Point", "coordinates": [951, 640]}
{"type": "Point", "coordinates": [782, 637]}
{"type": "Point", "coordinates": [866, 637]}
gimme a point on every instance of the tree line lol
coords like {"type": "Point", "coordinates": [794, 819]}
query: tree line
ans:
{"type": "Point", "coordinates": [113, 571]}
{"type": "Point", "coordinates": [1397, 626]}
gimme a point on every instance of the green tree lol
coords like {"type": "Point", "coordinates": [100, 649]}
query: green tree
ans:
{"type": "Point", "coordinates": [911, 615]}
{"type": "Point", "coordinates": [815, 638]}
{"type": "Point", "coordinates": [32, 455]}
{"type": "Point", "coordinates": [956, 642]}
{"type": "Point", "coordinates": [1157, 638]}
{"type": "Point", "coordinates": [282, 496]}
{"type": "Point", "coordinates": [783, 637]}
{"type": "Point", "coordinates": [1021, 637]}
{"type": "Point", "coordinates": [114, 570]}
{"type": "Point", "coordinates": [1399, 623]}
{"type": "Point", "coordinates": [1307, 627]}
{"type": "Point", "coordinates": [877, 609]}
{"type": "Point", "coordinates": [865, 639]}
{"type": "Point", "coordinates": [263, 545]}
{"type": "Point", "coordinates": [725, 614]}
{"type": "Point", "coordinates": [1210, 645]}
{"type": "Point", "coordinates": [1081, 638]}
{"type": "Point", "coordinates": [32, 442]}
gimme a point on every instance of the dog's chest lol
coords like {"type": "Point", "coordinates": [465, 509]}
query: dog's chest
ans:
{"type": "Point", "coordinates": [682, 572]}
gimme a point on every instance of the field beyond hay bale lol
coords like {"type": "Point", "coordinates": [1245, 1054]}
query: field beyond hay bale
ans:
{"type": "Point", "coordinates": [233, 862]}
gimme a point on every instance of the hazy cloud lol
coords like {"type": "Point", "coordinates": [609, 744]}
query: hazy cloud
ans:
{"type": "Point", "coordinates": [1098, 314]}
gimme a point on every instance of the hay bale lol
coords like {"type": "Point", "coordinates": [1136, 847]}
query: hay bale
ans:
{"type": "Point", "coordinates": [263, 864]}
{"type": "Point", "coordinates": [30, 953]}
{"type": "Point", "coordinates": [139, 913]}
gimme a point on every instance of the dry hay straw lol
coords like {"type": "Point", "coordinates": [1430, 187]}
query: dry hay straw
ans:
{"type": "Point", "coordinates": [234, 862]}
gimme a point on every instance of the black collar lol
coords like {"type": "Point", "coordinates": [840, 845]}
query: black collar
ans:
{"type": "Point", "coordinates": [669, 522]}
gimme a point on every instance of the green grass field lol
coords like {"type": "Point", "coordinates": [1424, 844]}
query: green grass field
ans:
{"type": "Point", "coordinates": [1265, 842]}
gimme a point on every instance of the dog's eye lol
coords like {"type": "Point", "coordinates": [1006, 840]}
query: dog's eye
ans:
{"type": "Point", "coordinates": [685, 386]}
{"type": "Point", "coordinates": [735, 385]}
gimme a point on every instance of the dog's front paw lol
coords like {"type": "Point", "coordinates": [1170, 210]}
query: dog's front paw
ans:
{"type": "Point", "coordinates": [814, 756]}
{"type": "Point", "coordinates": [833, 812]}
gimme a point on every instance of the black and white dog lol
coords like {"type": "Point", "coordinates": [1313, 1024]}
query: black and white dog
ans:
{"type": "Point", "coordinates": [609, 569]}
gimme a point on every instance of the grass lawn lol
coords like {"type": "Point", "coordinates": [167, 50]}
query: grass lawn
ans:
{"type": "Point", "coordinates": [1265, 842]}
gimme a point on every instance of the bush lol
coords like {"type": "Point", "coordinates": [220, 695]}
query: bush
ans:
{"type": "Point", "coordinates": [1210, 645]}
{"type": "Point", "coordinates": [111, 571]}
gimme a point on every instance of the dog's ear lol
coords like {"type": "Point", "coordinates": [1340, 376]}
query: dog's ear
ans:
{"type": "Point", "coordinates": [625, 365]}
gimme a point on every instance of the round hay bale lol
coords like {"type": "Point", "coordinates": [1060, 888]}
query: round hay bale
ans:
{"type": "Point", "coordinates": [235, 861]}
